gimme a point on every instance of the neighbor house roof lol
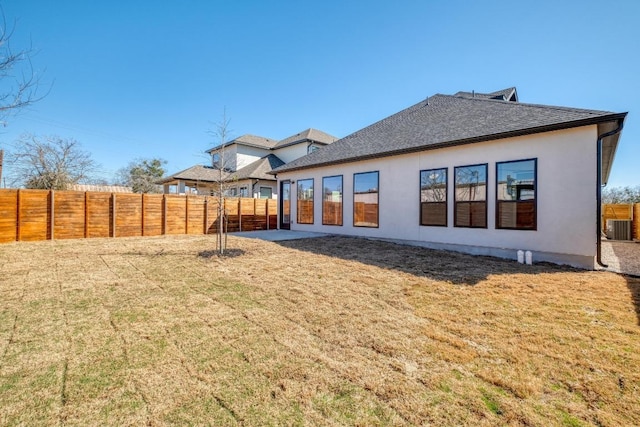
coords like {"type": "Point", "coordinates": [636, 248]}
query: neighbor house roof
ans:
{"type": "Point", "coordinates": [101, 188]}
{"type": "Point", "coordinates": [250, 141]}
{"type": "Point", "coordinates": [446, 120]}
{"type": "Point", "coordinates": [311, 135]}
{"type": "Point", "coordinates": [194, 173]}
{"type": "Point", "coordinates": [258, 169]}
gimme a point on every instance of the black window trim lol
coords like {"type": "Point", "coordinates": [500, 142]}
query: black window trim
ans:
{"type": "Point", "coordinates": [341, 204]}
{"type": "Point", "coordinates": [313, 199]}
{"type": "Point", "coordinates": [486, 197]}
{"type": "Point", "coordinates": [354, 199]}
{"type": "Point", "coordinates": [535, 192]}
{"type": "Point", "coordinates": [446, 203]}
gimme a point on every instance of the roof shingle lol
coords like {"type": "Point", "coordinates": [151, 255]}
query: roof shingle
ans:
{"type": "Point", "coordinates": [444, 120]}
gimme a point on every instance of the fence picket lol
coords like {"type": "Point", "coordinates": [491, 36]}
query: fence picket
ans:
{"type": "Point", "coordinates": [44, 215]}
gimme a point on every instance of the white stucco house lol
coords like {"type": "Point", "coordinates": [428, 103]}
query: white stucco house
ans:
{"type": "Point", "coordinates": [477, 173]}
{"type": "Point", "coordinates": [244, 163]}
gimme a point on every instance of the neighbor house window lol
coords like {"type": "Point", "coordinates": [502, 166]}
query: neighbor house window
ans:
{"type": "Point", "coordinates": [433, 197]}
{"type": "Point", "coordinates": [305, 201]}
{"type": "Point", "coordinates": [365, 199]}
{"type": "Point", "coordinates": [231, 192]}
{"type": "Point", "coordinates": [215, 160]}
{"type": "Point", "coordinates": [312, 148]}
{"type": "Point", "coordinates": [332, 200]}
{"type": "Point", "coordinates": [470, 194]}
{"type": "Point", "coordinates": [265, 192]}
{"type": "Point", "coordinates": [516, 194]}
{"type": "Point", "coordinates": [244, 191]}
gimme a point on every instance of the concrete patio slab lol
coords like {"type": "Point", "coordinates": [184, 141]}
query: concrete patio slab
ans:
{"type": "Point", "coordinates": [278, 235]}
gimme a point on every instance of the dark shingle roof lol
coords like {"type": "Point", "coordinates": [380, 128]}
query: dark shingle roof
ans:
{"type": "Point", "coordinates": [194, 173]}
{"type": "Point", "coordinates": [249, 140]}
{"type": "Point", "coordinates": [310, 134]}
{"type": "Point", "coordinates": [445, 120]}
{"type": "Point", "coordinates": [508, 94]}
{"type": "Point", "coordinates": [258, 169]}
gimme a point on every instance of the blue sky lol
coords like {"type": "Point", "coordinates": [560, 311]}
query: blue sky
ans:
{"type": "Point", "coordinates": [149, 78]}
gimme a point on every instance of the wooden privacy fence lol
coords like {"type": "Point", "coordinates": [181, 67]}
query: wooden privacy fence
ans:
{"type": "Point", "coordinates": [625, 212]}
{"type": "Point", "coordinates": [28, 215]}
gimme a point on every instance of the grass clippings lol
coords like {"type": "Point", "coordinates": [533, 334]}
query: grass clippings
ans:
{"type": "Point", "coordinates": [327, 331]}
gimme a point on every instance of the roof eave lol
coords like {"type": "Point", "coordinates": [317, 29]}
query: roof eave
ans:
{"type": "Point", "coordinates": [482, 138]}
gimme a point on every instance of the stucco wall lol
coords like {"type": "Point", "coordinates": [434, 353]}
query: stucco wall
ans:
{"type": "Point", "coordinates": [566, 200]}
{"type": "Point", "coordinates": [227, 157]}
{"type": "Point", "coordinates": [247, 155]}
{"type": "Point", "coordinates": [292, 152]}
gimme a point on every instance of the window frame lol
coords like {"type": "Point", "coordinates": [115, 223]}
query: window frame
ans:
{"type": "Point", "coordinates": [341, 200]}
{"type": "Point", "coordinates": [535, 197]}
{"type": "Point", "coordinates": [446, 198]}
{"type": "Point", "coordinates": [270, 192]}
{"type": "Point", "coordinates": [455, 196]}
{"type": "Point", "coordinates": [377, 199]}
{"type": "Point", "coordinates": [313, 195]}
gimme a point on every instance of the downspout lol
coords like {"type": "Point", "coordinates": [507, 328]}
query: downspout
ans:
{"type": "Point", "coordinates": [618, 129]}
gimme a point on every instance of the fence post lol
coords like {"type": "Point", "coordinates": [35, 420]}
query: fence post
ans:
{"type": "Point", "coordinates": [206, 214]}
{"type": "Point", "coordinates": [239, 213]}
{"type": "Point", "coordinates": [86, 215]}
{"type": "Point", "coordinates": [18, 225]}
{"type": "Point", "coordinates": [142, 215]}
{"type": "Point", "coordinates": [266, 211]}
{"type": "Point", "coordinates": [164, 214]}
{"type": "Point", "coordinates": [113, 214]}
{"type": "Point", "coordinates": [186, 214]}
{"type": "Point", "coordinates": [52, 214]}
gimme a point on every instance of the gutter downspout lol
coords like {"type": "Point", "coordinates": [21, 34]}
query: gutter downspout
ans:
{"type": "Point", "coordinates": [618, 129]}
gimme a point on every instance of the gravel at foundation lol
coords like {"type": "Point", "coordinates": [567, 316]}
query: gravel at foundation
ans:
{"type": "Point", "coordinates": [622, 256]}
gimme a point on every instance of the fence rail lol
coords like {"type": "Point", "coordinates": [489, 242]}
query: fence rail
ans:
{"type": "Point", "coordinates": [29, 215]}
{"type": "Point", "coordinates": [624, 212]}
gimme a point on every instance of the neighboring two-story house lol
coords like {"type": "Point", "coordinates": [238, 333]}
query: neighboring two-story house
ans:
{"type": "Point", "coordinates": [243, 165]}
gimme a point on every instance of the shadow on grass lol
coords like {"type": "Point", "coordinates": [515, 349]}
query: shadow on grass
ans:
{"type": "Point", "coordinates": [454, 267]}
{"type": "Point", "coordinates": [228, 253]}
{"type": "Point", "coordinates": [628, 256]}
{"type": "Point", "coordinates": [633, 283]}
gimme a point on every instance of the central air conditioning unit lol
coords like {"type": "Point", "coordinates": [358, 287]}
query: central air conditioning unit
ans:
{"type": "Point", "coordinates": [619, 229]}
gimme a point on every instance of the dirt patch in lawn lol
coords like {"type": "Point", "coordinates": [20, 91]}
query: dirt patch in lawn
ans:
{"type": "Point", "coordinates": [327, 331]}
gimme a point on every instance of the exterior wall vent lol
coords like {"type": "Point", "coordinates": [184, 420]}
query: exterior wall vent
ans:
{"type": "Point", "coordinates": [619, 229]}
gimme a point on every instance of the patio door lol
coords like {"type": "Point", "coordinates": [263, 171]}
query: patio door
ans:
{"type": "Point", "coordinates": [285, 205]}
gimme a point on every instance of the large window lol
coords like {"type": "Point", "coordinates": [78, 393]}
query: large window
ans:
{"type": "Point", "coordinates": [516, 194]}
{"type": "Point", "coordinates": [433, 197]}
{"type": "Point", "coordinates": [305, 201]}
{"type": "Point", "coordinates": [332, 200]}
{"type": "Point", "coordinates": [365, 199]}
{"type": "Point", "coordinates": [471, 196]}
{"type": "Point", "coordinates": [266, 192]}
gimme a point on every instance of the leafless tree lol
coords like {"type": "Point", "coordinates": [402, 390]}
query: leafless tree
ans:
{"type": "Point", "coordinates": [434, 186]}
{"type": "Point", "coordinates": [49, 162]}
{"type": "Point", "coordinates": [19, 82]}
{"type": "Point", "coordinates": [220, 133]}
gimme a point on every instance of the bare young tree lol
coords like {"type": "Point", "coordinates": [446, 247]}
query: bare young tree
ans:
{"type": "Point", "coordinates": [221, 136]}
{"type": "Point", "coordinates": [49, 162]}
{"type": "Point", "coordinates": [19, 82]}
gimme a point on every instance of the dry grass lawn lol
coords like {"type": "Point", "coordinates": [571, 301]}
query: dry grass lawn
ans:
{"type": "Point", "coordinates": [329, 331]}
